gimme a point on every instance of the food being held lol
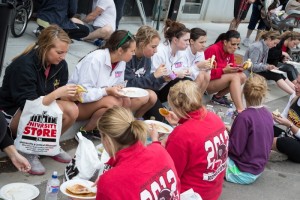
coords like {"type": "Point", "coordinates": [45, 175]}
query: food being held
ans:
{"type": "Point", "coordinates": [164, 112]}
{"type": "Point", "coordinates": [212, 62]}
{"type": "Point", "coordinates": [247, 64]}
{"type": "Point", "coordinates": [276, 113]}
{"type": "Point", "coordinates": [80, 89]}
{"type": "Point", "coordinates": [160, 128]}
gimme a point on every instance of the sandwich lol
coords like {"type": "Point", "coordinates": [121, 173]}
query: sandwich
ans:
{"type": "Point", "coordinates": [164, 112]}
{"type": "Point", "coordinates": [247, 64]}
{"type": "Point", "coordinates": [78, 189]}
{"type": "Point", "coordinates": [276, 113]}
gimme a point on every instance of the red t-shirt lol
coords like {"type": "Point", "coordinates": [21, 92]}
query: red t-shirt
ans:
{"type": "Point", "coordinates": [140, 172]}
{"type": "Point", "coordinates": [222, 58]}
{"type": "Point", "coordinates": [199, 148]}
{"type": "Point", "coordinates": [284, 48]}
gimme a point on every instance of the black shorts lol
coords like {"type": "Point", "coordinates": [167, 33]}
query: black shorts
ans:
{"type": "Point", "coordinates": [241, 8]}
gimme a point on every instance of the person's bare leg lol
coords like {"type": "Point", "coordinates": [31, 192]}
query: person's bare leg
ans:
{"type": "Point", "coordinates": [15, 122]}
{"type": "Point", "coordinates": [141, 105]}
{"type": "Point", "coordinates": [292, 85]}
{"type": "Point", "coordinates": [231, 83]}
{"type": "Point", "coordinates": [103, 33]}
{"type": "Point", "coordinates": [274, 147]}
{"type": "Point", "coordinates": [284, 86]}
{"type": "Point", "coordinates": [70, 114]}
{"type": "Point", "coordinates": [233, 24]}
{"type": "Point", "coordinates": [202, 81]}
{"type": "Point", "coordinates": [249, 32]}
{"type": "Point", "coordinates": [93, 111]}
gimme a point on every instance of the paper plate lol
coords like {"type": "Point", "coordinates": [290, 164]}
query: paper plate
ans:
{"type": "Point", "coordinates": [133, 92]}
{"type": "Point", "coordinates": [277, 71]}
{"type": "Point", "coordinates": [63, 188]}
{"type": "Point", "coordinates": [161, 127]}
{"type": "Point", "coordinates": [19, 191]}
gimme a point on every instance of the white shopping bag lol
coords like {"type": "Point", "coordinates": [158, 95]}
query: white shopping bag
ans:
{"type": "Point", "coordinates": [39, 128]}
{"type": "Point", "coordinates": [86, 161]}
{"type": "Point", "coordinates": [190, 195]}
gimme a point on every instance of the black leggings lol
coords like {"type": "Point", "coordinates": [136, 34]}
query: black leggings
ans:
{"type": "Point", "coordinates": [287, 145]}
{"type": "Point", "coordinates": [290, 70]}
{"type": "Point", "coordinates": [271, 75]}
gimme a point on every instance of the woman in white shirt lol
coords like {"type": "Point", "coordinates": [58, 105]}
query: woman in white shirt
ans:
{"type": "Point", "coordinates": [199, 67]}
{"type": "Point", "coordinates": [171, 53]}
{"type": "Point", "coordinates": [101, 72]}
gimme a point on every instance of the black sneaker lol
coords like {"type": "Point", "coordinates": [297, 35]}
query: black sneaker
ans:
{"type": "Point", "coordinates": [223, 101]}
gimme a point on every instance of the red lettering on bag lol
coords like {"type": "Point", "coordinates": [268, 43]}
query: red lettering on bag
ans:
{"type": "Point", "coordinates": [40, 132]}
{"type": "Point", "coordinates": [26, 130]}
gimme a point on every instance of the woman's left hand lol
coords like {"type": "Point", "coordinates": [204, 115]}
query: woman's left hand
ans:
{"type": "Point", "coordinates": [153, 133]}
{"type": "Point", "coordinates": [281, 120]}
{"type": "Point", "coordinates": [68, 91]}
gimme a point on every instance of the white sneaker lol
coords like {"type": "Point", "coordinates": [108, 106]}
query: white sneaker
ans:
{"type": "Point", "coordinates": [246, 42]}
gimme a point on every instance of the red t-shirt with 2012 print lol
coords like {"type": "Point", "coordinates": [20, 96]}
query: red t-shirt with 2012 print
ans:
{"type": "Point", "coordinates": [199, 148]}
{"type": "Point", "coordinates": [140, 173]}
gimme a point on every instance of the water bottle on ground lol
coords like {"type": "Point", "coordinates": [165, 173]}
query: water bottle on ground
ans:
{"type": "Point", "coordinates": [228, 116]}
{"type": "Point", "coordinates": [52, 187]}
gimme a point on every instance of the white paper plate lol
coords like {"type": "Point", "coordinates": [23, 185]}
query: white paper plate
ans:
{"type": "Point", "coordinates": [133, 92]}
{"type": "Point", "coordinates": [296, 64]}
{"type": "Point", "coordinates": [161, 127]}
{"type": "Point", "coordinates": [63, 188]}
{"type": "Point", "coordinates": [277, 71]}
{"type": "Point", "coordinates": [19, 191]}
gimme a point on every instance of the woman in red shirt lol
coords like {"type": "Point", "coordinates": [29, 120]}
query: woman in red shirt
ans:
{"type": "Point", "coordinates": [134, 171]}
{"type": "Point", "coordinates": [226, 76]}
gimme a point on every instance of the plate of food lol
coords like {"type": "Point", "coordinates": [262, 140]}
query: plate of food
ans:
{"type": "Point", "coordinates": [160, 127]}
{"type": "Point", "coordinates": [79, 189]}
{"type": "Point", "coordinates": [277, 71]}
{"type": "Point", "coordinates": [19, 191]}
{"type": "Point", "coordinates": [133, 92]}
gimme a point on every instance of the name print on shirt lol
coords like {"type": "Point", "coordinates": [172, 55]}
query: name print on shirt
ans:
{"type": "Point", "coordinates": [118, 73]}
{"type": "Point", "coordinates": [217, 152]}
{"type": "Point", "coordinates": [163, 186]}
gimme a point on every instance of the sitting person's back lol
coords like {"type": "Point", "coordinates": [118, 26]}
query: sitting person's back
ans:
{"type": "Point", "coordinates": [61, 13]}
{"type": "Point", "coordinates": [137, 171]}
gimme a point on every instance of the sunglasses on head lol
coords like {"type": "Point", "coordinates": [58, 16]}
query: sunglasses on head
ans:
{"type": "Point", "coordinates": [126, 38]}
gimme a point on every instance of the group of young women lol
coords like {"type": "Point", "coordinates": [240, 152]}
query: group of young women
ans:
{"type": "Point", "coordinates": [177, 71]}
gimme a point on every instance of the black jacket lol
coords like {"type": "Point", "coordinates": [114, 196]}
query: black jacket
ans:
{"type": "Point", "coordinates": [275, 54]}
{"type": "Point", "coordinates": [25, 79]}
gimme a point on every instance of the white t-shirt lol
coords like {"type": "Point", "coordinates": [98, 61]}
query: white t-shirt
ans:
{"type": "Point", "coordinates": [173, 63]}
{"type": "Point", "coordinates": [192, 60]}
{"type": "Point", "coordinates": [109, 14]}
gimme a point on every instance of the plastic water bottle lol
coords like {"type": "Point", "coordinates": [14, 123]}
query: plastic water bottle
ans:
{"type": "Point", "coordinates": [228, 116]}
{"type": "Point", "coordinates": [52, 187]}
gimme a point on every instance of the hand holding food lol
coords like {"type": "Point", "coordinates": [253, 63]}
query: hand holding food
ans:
{"type": "Point", "coordinates": [204, 65]}
{"type": "Point", "coordinates": [276, 113]}
{"type": "Point", "coordinates": [247, 64]}
{"type": "Point", "coordinates": [160, 71]}
{"type": "Point", "coordinates": [80, 89]}
{"type": "Point", "coordinates": [213, 63]}
{"type": "Point", "coordinates": [163, 111]}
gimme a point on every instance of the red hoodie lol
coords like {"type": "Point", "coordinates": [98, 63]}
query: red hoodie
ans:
{"type": "Point", "coordinates": [222, 59]}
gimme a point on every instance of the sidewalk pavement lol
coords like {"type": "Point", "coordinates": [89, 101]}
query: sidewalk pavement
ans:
{"type": "Point", "coordinates": [279, 180]}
